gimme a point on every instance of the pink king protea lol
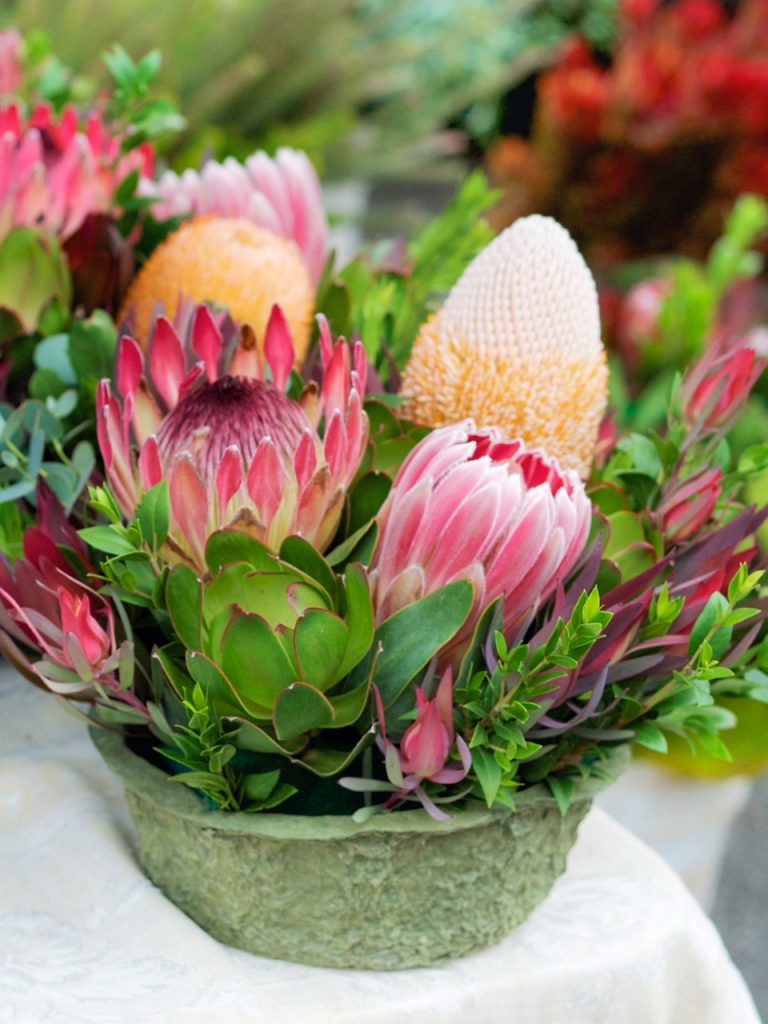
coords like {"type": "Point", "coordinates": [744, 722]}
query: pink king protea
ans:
{"type": "Point", "coordinates": [53, 173]}
{"type": "Point", "coordinates": [467, 504]}
{"type": "Point", "coordinates": [282, 195]}
{"type": "Point", "coordinates": [212, 418]}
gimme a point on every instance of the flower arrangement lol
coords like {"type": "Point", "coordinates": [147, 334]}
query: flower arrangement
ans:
{"type": "Point", "coordinates": [644, 154]}
{"type": "Point", "coordinates": [408, 570]}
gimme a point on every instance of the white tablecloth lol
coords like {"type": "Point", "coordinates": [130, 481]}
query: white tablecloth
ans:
{"type": "Point", "coordinates": [84, 937]}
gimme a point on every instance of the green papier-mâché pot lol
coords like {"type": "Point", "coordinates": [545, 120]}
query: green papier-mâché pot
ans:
{"type": "Point", "coordinates": [397, 891]}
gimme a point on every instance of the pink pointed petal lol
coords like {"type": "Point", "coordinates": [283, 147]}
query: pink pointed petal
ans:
{"type": "Point", "coordinates": [326, 340]}
{"type": "Point", "coordinates": [189, 505]}
{"type": "Point", "coordinates": [150, 467]}
{"type": "Point", "coordinates": [190, 379]}
{"type": "Point", "coordinates": [206, 342]}
{"type": "Point", "coordinates": [278, 348]}
{"type": "Point", "coordinates": [167, 364]}
{"type": "Point", "coordinates": [229, 476]}
{"type": "Point", "coordinates": [335, 447]}
{"type": "Point", "coordinates": [130, 365]}
{"type": "Point", "coordinates": [266, 480]}
{"type": "Point", "coordinates": [305, 459]}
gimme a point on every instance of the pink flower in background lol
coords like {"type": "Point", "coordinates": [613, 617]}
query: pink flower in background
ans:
{"type": "Point", "coordinates": [11, 72]}
{"type": "Point", "coordinates": [282, 195]}
{"type": "Point", "coordinates": [54, 173]}
{"type": "Point", "coordinates": [212, 418]}
{"type": "Point", "coordinates": [638, 319]}
{"type": "Point", "coordinates": [467, 504]}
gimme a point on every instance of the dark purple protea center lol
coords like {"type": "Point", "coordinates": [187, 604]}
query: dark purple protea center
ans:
{"type": "Point", "coordinates": [230, 411]}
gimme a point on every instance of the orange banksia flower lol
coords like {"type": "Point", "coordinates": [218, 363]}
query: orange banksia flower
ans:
{"type": "Point", "coordinates": [517, 345]}
{"type": "Point", "coordinates": [229, 262]}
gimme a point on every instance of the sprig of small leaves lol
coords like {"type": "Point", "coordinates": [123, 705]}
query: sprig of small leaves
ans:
{"type": "Point", "coordinates": [204, 747]}
{"type": "Point", "coordinates": [145, 119]}
{"type": "Point", "coordinates": [498, 706]}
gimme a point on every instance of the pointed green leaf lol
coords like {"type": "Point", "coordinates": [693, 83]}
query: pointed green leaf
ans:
{"type": "Point", "coordinates": [183, 598]}
{"type": "Point", "coordinates": [153, 514]}
{"type": "Point", "coordinates": [297, 552]}
{"type": "Point", "coordinates": [105, 538]}
{"type": "Point", "coordinates": [487, 772]}
{"type": "Point", "coordinates": [260, 740]}
{"type": "Point", "coordinates": [348, 707]}
{"type": "Point", "coordinates": [410, 637]}
{"type": "Point", "coordinates": [219, 689]}
{"type": "Point", "coordinates": [331, 762]}
{"type": "Point", "coordinates": [258, 785]}
{"type": "Point", "coordinates": [300, 708]}
{"type": "Point", "coordinates": [173, 673]}
{"type": "Point", "coordinates": [562, 791]}
{"type": "Point", "coordinates": [359, 618]}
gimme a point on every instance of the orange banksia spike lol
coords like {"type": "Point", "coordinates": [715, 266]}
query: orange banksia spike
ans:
{"type": "Point", "coordinates": [229, 262]}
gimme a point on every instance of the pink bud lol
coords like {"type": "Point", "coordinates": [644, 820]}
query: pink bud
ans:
{"type": "Point", "coordinates": [77, 619]}
{"type": "Point", "coordinates": [725, 388]}
{"type": "Point", "coordinates": [690, 506]}
{"type": "Point", "coordinates": [425, 744]}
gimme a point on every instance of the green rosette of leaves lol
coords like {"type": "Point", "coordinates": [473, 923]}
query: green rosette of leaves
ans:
{"type": "Point", "coordinates": [275, 663]}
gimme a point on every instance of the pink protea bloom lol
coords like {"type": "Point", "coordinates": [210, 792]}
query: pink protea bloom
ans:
{"type": "Point", "coordinates": [282, 195]}
{"type": "Point", "coordinates": [467, 504]}
{"type": "Point", "coordinates": [213, 419]}
{"type": "Point", "coordinates": [53, 172]}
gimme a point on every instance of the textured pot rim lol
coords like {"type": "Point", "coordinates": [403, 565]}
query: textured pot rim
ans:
{"type": "Point", "coordinates": [151, 783]}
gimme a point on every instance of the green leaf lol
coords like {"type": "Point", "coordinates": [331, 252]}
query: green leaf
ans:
{"type": "Point", "coordinates": [320, 640]}
{"type": "Point", "coordinates": [712, 612]}
{"type": "Point", "coordinates": [184, 601]}
{"type": "Point", "coordinates": [52, 354]}
{"type": "Point", "coordinates": [257, 786]}
{"type": "Point", "coordinates": [300, 708]}
{"type": "Point", "coordinates": [487, 772]}
{"type": "Point", "coordinates": [348, 707]}
{"type": "Point", "coordinates": [258, 740]}
{"type": "Point", "coordinates": [226, 546]}
{"type": "Point", "coordinates": [297, 552]}
{"type": "Point", "coordinates": [220, 691]}
{"type": "Point", "coordinates": [410, 638]}
{"type": "Point", "coordinates": [254, 660]}
{"type": "Point", "coordinates": [325, 762]}
{"type": "Point", "coordinates": [649, 735]}
{"type": "Point", "coordinates": [562, 790]}
{"type": "Point", "coordinates": [359, 618]}
{"type": "Point", "coordinates": [107, 539]}
{"type": "Point", "coordinates": [154, 514]}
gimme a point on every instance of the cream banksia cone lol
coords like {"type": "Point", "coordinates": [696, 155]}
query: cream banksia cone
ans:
{"type": "Point", "coordinates": [517, 345]}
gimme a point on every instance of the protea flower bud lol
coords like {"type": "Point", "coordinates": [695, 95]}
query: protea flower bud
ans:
{"type": "Point", "coordinates": [236, 451]}
{"type": "Point", "coordinates": [282, 195]}
{"type": "Point", "coordinates": [467, 504]}
{"type": "Point", "coordinates": [690, 506]}
{"type": "Point", "coordinates": [53, 173]}
{"type": "Point", "coordinates": [721, 386]}
{"type": "Point", "coordinates": [517, 345]}
{"type": "Point", "coordinates": [232, 263]}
